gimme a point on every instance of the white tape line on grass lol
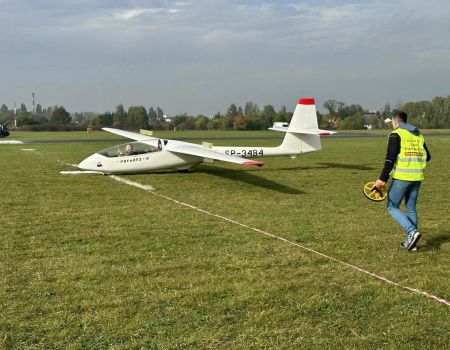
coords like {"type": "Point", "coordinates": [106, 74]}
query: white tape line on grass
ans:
{"type": "Point", "coordinates": [79, 172]}
{"type": "Point", "coordinates": [31, 150]}
{"type": "Point", "coordinates": [381, 278]}
{"type": "Point", "coordinates": [65, 163]}
{"type": "Point", "coordinates": [11, 142]}
{"type": "Point", "coordinates": [132, 183]}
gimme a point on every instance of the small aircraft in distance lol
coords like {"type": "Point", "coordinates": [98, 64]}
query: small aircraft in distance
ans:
{"type": "Point", "coordinates": [150, 153]}
{"type": "Point", "coordinates": [4, 130]}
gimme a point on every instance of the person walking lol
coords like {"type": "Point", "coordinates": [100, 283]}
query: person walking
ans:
{"type": "Point", "coordinates": [406, 158]}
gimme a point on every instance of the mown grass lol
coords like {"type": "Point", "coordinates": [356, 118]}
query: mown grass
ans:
{"type": "Point", "coordinates": [57, 135]}
{"type": "Point", "coordinates": [201, 134]}
{"type": "Point", "coordinates": [88, 262]}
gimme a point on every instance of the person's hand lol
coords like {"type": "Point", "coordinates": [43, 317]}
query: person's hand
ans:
{"type": "Point", "coordinates": [380, 183]}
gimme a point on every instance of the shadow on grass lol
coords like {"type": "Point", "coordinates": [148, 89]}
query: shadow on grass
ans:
{"type": "Point", "coordinates": [236, 175]}
{"type": "Point", "coordinates": [251, 179]}
{"type": "Point", "coordinates": [324, 166]}
{"type": "Point", "coordinates": [436, 242]}
{"type": "Point", "coordinates": [346, 166]}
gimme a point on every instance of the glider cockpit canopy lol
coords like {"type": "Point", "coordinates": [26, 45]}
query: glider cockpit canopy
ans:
{"type": "Point", "coordinates": [125, 149]}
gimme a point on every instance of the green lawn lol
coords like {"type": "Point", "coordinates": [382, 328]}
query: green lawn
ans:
{"type": "Point", "coordinates": [57, 135]}
{"type": "Point", "coordinates": [212, 134]}
{"type": "Point", "coordinates": [91, 263]}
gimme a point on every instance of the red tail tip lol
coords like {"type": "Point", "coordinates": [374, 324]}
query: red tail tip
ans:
{"type": "Point", "coordinates": [306, 101]}
{"type": "Point", "coordinates": [253, 162]}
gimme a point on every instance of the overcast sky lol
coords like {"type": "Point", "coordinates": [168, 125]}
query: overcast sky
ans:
{"type": "Point", "coordinates": [200, 56]}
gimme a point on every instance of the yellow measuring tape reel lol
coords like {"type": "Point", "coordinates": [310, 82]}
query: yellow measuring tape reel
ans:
{"type": "Point", "coordinates": [373, 193]}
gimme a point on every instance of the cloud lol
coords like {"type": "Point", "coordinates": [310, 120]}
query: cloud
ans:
{"type": "Point", "coordinates": [129, 14]}
{"type": "Point", "coordinates": [217, 51]}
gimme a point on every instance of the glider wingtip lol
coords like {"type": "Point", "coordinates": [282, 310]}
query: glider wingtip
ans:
{"type": "Point", "coordinates": [327, 133]}
{"type": "Point", "coordinates": [253, 162]}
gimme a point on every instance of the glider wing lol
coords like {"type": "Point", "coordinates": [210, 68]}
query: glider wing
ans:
{"type": "Point", "coordinates": [130, 135]}
{"type": "Point", "coordinates": [210, 154]}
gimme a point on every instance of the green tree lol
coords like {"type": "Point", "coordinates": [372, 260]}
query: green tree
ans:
{"type": "Point", "coordinates": [60, 115]}
{"type": "Point", "coordinates": [4, 109]}
{"type": "Point", "coordinates": [215, 122]}
{"type": "Point", "coordinates": [22, 109]}
{"type": "Point", "coordinates": [252, 116]}
{"type": "Point", "coordinates": [251, 110]}
{"type": "Point", "coordinates": [226, 122]}
{"type": "Point", "coordinates": [420, 113]}
{"type": "Point", "coordinates": [38, 108]}
{"type": "Point", "coordinates": [95, 123]}
{"type": "Point", "coordinates": [441, 111]}
{"type": "Point", "coordinates": [290, 114]}
{"type": "Point", "coordinates": [120, 117]}
{"type": "Point", "coordinates": [345, 111]}
{"type": "Point", "coordinates": [201, 122]}
{"type": "Point", "coordinates": [386, 111]}
{"type": "Point", "coordinates": [152, 115]}
{"type": "Point", "coordinates": [26, 119]}
{"type": "Point", "coordinates": [239, 122]}
{"type": "Point", "coordinates": [281, 115]}
{"type": "Point", "coordinates": [178, 120]}
{"type": "Point", "coordinates": [268, 115]}
{"type": "Point", "coordinates": [159, 114]}
{"type": "Point", "coordinates": [232, 111]}
{"type": "Point", "coordinates": [106, 119]}
{"type": "Point", "coordinates": [355, 122]}
{"type": "Point", "coordinates": [156, 119]}
{"type": "Point", "coordinates": [137, 117]}
{"type": "Point", "coordinates": [189, 123]}
{"type": "Point", "coordinates": [331, 106]}
{"type": "Point", "coordinates": [153, 121]}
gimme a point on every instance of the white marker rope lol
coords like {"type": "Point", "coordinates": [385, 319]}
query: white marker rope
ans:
{"type": "Point", "coordinates": [414, 290]}
{"type": "Point", "coordinates": [80, 172]}
{"type": "Point", "coordinates": [132, 183]}
{"type": "Point", "coordinates": [32, 150]}
{"type": "Point", "coordinates": [65, 163]}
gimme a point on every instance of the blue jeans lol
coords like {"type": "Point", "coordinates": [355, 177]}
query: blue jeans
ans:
{"type": "Point", "coordinates": [408, 190]}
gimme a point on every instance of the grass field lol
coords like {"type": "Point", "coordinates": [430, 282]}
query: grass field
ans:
{"type": "Point", "coordinates": [90, 263]}
{"type": "Point", "coordinates": [82, 135]}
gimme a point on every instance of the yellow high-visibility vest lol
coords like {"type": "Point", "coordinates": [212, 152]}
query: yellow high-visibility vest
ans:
{"type": "Point", "coordinates": [412, 159]}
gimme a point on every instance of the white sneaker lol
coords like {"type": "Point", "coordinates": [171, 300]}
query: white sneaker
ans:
{"type": "Point", "coordinates": [411, 240]}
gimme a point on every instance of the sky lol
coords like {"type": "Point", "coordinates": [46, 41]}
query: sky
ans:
{"type": "Point", "coordinates": [199, 56]}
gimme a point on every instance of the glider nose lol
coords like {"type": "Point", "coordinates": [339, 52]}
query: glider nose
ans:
{"type": "Point", "coordinates": [91, 163]}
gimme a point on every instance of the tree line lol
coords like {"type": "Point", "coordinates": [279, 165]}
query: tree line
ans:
{"type": "Point", "coordinates": [424, 114]}
{"type": "Point", "coordinates": [434, 114]}
{"type": "Point", "coordinates": [251, 117]}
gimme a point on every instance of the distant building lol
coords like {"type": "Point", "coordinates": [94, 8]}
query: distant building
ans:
{"type": "Point", "coordinates": [280, 124]}
{"type": "Point", "coordinates": [371, 119]}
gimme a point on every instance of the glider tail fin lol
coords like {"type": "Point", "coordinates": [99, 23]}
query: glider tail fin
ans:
{"type": "Point", "coordinates": [303, 133]}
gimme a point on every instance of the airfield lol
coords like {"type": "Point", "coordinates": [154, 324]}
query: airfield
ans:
{"type": "Point", "coordinates": [287, 256]}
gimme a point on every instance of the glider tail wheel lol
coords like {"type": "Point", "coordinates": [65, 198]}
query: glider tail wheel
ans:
{"type": "Point", "coordinates": [373, 193]}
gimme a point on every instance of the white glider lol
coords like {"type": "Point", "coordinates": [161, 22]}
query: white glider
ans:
{"type": "Point", "coordinates": [150, 153]}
